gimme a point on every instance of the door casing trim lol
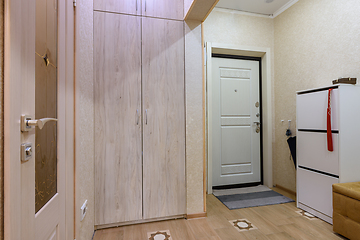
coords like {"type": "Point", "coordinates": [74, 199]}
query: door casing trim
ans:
{"type": "Point", "coordinates": [267, 112]}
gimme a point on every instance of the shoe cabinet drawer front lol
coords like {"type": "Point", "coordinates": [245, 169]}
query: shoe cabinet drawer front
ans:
{"type": "Point", "coordinates": [313, 152]}
{"type": "Point", "coordinates": [312, 110]}
{"type": "Point", "coordinates": [315, 190]}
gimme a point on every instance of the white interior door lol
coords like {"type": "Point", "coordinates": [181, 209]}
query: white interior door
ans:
{"type": "Point", "coordinates": [35, 78]}
{"type": "Point", "coordinates": [235, 114]}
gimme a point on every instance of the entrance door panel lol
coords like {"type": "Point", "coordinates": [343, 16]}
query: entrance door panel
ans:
{"type": "Point", "coordinates": [235, 111]}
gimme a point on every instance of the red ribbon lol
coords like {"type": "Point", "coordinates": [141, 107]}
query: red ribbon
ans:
{"type": "Point", "coordinates": [329, 134]}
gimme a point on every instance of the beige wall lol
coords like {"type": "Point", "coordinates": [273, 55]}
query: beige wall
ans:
{"type": "Point", "coordinates": [84, 119]}
{"type": "Point", "coordinates": [239, 29]}
{"type": "Point", "coordinates": [187, 5]}
{"type": "Point", "coordinates": [251, 32]}
{"type": "Point", "coordinates": [315, 42]}
{"type": "Point", "coordinates": [194, 118]}
{"type": "Point", "coordinates": [1, 119]}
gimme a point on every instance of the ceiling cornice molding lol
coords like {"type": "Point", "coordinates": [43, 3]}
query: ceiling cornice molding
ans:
{"type": "Point", "coordinates": [226, 10]}
{"type": "Point", "coordinates": [283, 8]}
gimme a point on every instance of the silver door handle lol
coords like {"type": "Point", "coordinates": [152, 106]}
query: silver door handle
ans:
{"type": "Point", "coordinates": [27, 122]}
{"type": "Point", "coordinates": [146, 116]}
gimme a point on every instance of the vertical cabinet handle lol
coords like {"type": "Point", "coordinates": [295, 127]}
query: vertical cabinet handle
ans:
{"type": "Point", "coordinates": [136, 5]}
{"type": "Point", "coordinates": [145, 5]}
{"type": "Point", "coordinates": [137, 115]}
{"type": "Point", "coordinates": [146, 116]}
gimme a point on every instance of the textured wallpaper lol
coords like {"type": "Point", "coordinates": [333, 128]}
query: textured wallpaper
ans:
{"type": "Point", "coordinates": [1, 119]}
{"type": "Point", "coordinates": [239, 29]}
{"type": "Point", "coordinates": [315, 42]}
{"type": "Point", "coordinates": [84, 119]}
{"type": "Point", "coordinates": [194, 118]}
{"type": "Point", "coordinates": [187, 5]}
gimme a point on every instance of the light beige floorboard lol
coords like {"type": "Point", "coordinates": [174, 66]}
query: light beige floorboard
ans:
{"type": "Point", "coordinates": [280, 236]}
{"type": "Point", "coordinates": [274, 222]}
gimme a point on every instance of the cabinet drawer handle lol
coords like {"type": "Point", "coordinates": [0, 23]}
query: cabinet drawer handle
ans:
{"type": "Point", "coordinates": [146, 116]}
{"type": "Point", "coordinates": [137, 115]}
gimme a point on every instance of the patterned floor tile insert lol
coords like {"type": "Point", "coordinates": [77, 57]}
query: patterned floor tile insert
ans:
{"type": "Point", "coordinates": [159, 235]}
{"type": "Point", "coordinates": [242, 225]}
{"type": "Point", "coordinates": [306, 214]}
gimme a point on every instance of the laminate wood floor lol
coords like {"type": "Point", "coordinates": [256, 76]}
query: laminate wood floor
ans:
{"type": "Point", "coordinates": [269, 222]}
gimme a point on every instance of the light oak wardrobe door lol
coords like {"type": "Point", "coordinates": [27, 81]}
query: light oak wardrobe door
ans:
{"type": "Point", "coordinates": [164, 118]}
{"type": "Point", "coordinates": [119, 6]}
{"type": "Point", "coordinates": [117, 66]}
{"type": "Point", "coordinates": [170, 9]}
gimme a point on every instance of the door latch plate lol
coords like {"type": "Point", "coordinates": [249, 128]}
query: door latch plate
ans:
{"type": "Point", "coordinates": [23, 121]}
{"type": "Point", "coordinates": [26, 152]}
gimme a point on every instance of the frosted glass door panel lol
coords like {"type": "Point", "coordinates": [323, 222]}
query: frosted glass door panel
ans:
{"type": "Point", "coordinates": [45, 102]}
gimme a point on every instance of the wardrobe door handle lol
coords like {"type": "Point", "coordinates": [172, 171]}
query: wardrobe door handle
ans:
{"type": "Point", "coordinates": [146, 116]}
{"type": "Point", "coordinates": [136, 5]}
{"type": "Point", "coordinates": [137, 115]}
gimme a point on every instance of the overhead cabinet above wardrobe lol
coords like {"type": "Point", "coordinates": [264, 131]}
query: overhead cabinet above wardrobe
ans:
{"type": "Point", "coordinates": [139, 118]}
{"type": "Point", "coordinates": [169, 9]}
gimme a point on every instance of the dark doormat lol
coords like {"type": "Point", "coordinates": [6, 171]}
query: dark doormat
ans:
{"type": "Point", "coordinates": [252, 199]}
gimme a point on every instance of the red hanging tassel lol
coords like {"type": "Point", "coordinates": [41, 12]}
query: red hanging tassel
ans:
{"type": "Point", "coordinates": [329, 134]}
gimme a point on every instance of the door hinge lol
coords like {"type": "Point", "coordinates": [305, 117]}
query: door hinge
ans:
{"type": "Point", "coordinates": [74, 3]}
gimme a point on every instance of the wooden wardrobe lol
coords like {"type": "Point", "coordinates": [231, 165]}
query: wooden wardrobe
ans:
{"type": "Point", "coordinates": [139, 111]}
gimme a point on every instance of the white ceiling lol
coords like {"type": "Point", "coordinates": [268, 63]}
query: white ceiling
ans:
{"type": "Point", "coordinates": [265, 7]}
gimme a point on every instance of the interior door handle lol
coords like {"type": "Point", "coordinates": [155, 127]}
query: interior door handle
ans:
{"type": "Point", "coordinates": [27, 122]}
{"type": "Point", "coordinates": [257, 123]}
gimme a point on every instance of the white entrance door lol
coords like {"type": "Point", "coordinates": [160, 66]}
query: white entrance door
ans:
{"type": "Point", "coordinates": [35, 85]}
{"type": "Point", "coordinates": [235, 121]}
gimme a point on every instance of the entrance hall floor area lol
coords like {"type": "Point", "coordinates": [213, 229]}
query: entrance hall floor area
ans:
{"type": "Point", "coordinates": [277, 222]}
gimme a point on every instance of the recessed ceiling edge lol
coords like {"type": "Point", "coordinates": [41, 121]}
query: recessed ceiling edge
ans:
{"type": "Point", "coordinates": [283, 8]}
